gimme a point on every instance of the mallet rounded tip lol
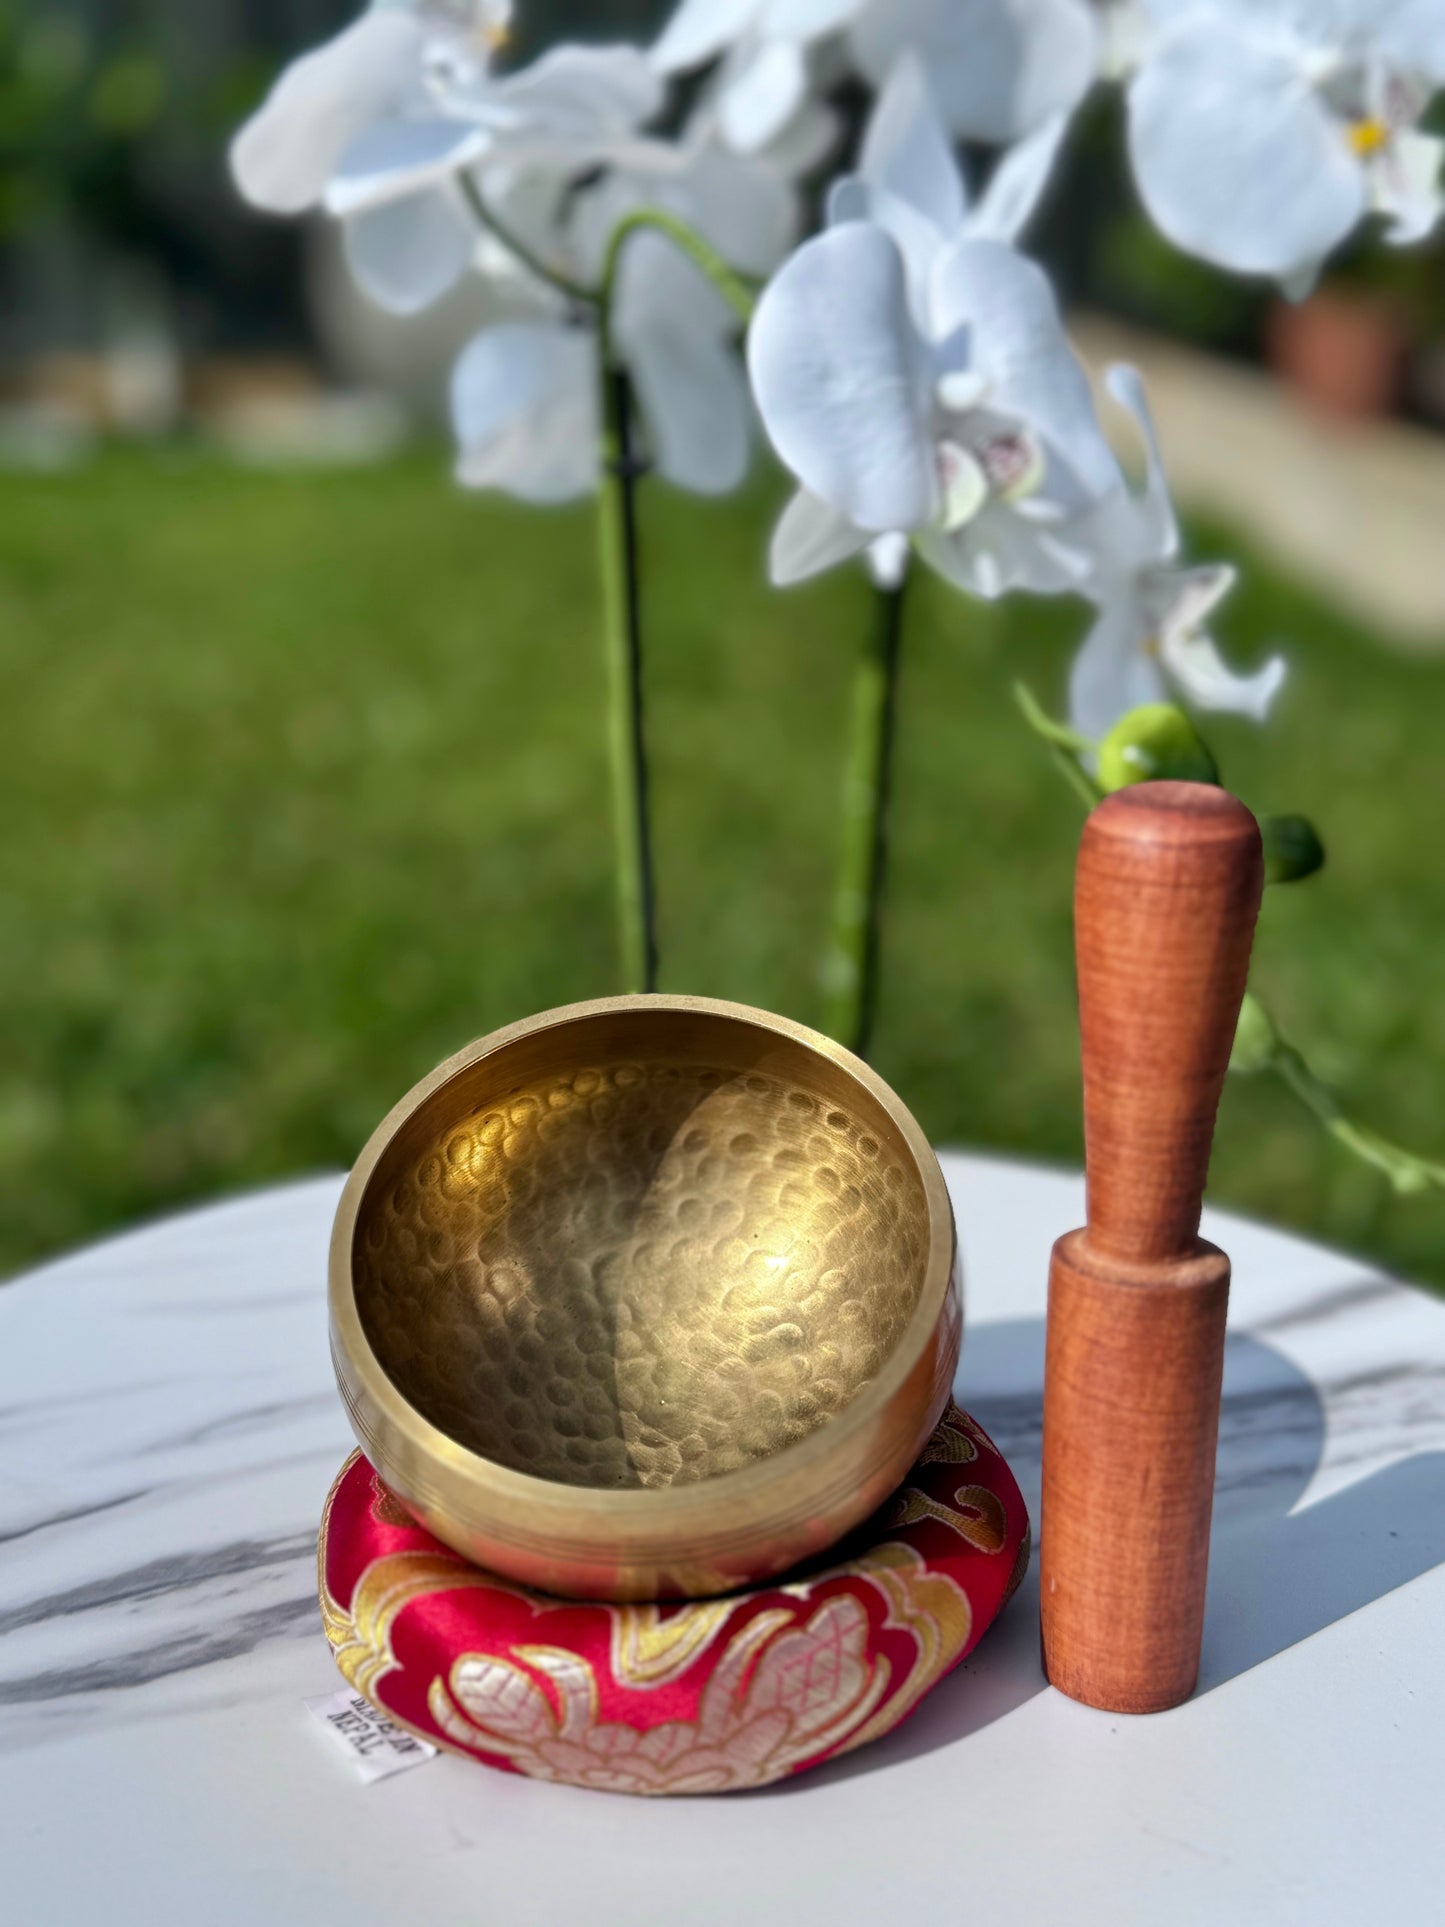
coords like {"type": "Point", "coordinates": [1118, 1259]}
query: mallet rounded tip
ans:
{"type": "Point", "coordinates": [1171, 812]}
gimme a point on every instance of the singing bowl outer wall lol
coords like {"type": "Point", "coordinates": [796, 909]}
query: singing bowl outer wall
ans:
{"type": "Point", "coordinates": [638, 1520]}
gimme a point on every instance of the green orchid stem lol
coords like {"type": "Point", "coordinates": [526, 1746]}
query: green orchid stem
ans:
{"type": "Point", "coordinates": [739, 296]}
{"type": "Point", "coordinates": [1404, 1169]}
{"type": "Point", "coordinates": [622, 637]}
{"type": "Point", "coordinates": [544, 270]}
{"type": "Point", "coordinates": [621, 594]}
{"type": "Point", "coordinates": [617, 551]}
{"type": "Point", "coordinates": [617, 532]}
{"type": "Point", "coordinates": [734, 288]}
{"type": "Point", "coordinates": [851, 971]}
{"type": "Point", "coordinates": [1066, 746]}
{"type": "Point", "coordinates": [1056, 733]}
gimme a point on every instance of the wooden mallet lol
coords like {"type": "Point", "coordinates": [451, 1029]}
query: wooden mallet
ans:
{"type": "Point", "coordinates": [1167, 891]}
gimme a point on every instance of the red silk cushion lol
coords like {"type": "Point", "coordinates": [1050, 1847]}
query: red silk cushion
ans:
{"type": "Point", "coordinates": [706, 1696]}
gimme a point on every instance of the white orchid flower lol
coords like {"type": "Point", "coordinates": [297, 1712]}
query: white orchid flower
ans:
{"type": "Point", "coordinates": [912, 371]}
{"type": "Point", "coordinates": [524, 395]}
{"type": "Point", "coordinates": [766, 47]}
{"type": "Point", "coordinates": [1000, 68]}
{"type": "Point", "coordinates": [1261, 133]}
{"type": "Point", "coordinates": [1150, 639]}
{"type": "Point", "coordinates": [376, 126]}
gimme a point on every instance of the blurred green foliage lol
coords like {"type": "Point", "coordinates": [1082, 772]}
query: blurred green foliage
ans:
{"type": "Point", "coordinates": [80, 99]}
{"type": "Point", "coordinates": [303, 786]}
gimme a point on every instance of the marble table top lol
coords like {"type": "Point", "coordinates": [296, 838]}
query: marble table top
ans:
{"type": "Point", "coordinates": [169, 1427]}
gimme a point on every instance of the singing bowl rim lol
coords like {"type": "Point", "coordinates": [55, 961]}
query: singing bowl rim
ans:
{"type": "Point", "coordinates": [532, 1526]}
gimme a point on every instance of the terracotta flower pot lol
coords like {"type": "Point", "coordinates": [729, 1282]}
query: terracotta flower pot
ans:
{"type": "Point", "coordinates": [1342, 350]}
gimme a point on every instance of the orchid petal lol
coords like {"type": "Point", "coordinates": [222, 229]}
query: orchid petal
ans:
{"type": "Point", "coordinates": [962, 388]}
{"type": "Point", "coordinates": [887, 558]}
{"type": "Point", "coordinates": [906, 151]}
{"type": "Point", "coordinates": [1236, 159]}
{"type": "Point", "coordinates": [581, 95]}
{"type": "Point", "coordinates": [658, 287]}
{"type": "Point", "coordinates": [841, 379]}
{"type": "Point", "coordinates": [529, 202]}
{"type": "Point", "coordinates": [1180, 600]}
{"type": "Point", "coordinates": [1410, 34]}
{"type": "Point", "coordinates": [761, 95]}
{"type": "Point", "coordinates": [1017, 183]}
{"type": "Point", "coordinates": [524, 408]}
{"type": "Point", "coordinates": [854, 199]}
{"type": "Point", "coordinates": [965, 486]}
{"type": "Point", "coordinates": [1017, 341]}
{"type": "Point", "coordinates": [811, 537]}
{"type": "Point", "coordinates": [745, 209]}
{"type": "Point", "coordinates": [1405, 186]}
{"type": "Point", "coordinates": [805, 143]}
{"type": "Point", "coordinates": [1158, 526]}
{"type": "Point", "coordinates": [395, 158]}
{"type": "Point", "coordinates": [694, 400]}
{"type": "Point", "coordinates": [698, 31]}
{"type": "Point", "coordinates": [1125, 30]}
{"type": "Point", "coordinates": [407, 254]}
{"type": "Point", "coordinates": [1191, 658]}
{"type": "Point", "coordinates": [999, 550]}
{"type": "Point", "coordinates": [283, 157]}
{"type": "Point", "coordinates": [807, 19]}
{"type": "Point", "coordinates": [999, 68]}
{"type": "Point", "coordinates": [1195, 664]}
{"type": "Point", "coordinates": [1112, 673]}
{"type": "Point", "coordinates": [850, 198]}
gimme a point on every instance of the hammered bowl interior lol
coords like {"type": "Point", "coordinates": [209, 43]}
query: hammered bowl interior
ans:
{"type": "Point", "coordinates": [640, 1249]}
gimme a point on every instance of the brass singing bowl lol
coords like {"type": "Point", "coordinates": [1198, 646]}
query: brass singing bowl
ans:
{"type": "Point", "coordinates": [645, 1298]}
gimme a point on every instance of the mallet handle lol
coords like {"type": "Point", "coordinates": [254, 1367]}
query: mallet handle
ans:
{"type": "Point", "coordinates": [1168, 888]}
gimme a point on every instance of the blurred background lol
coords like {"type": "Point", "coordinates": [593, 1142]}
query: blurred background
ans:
{"type": "Point", "coordinates": [301, 753]}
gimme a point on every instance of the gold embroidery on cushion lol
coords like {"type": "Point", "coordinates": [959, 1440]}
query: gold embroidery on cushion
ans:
{"type": "Point", "coordinates": [780, 1694]}
{"type": "Point", "coordinates": [950, 1444]}
{"type": "Point", "coordinates": [361, 1638]}
{"type": "Point", "coordinates": [976, 1514]}
{"type": "Point", "coordinates": [331, 1613]}
{"type": "Point", "coordinates": [988, 1529]}
{"type": "Point", "coordinates": [975, 1431]}
{"type": "Point", "coordinates": [934, 1609]}
{"type": "Point", "coordinates": [650, 1650]}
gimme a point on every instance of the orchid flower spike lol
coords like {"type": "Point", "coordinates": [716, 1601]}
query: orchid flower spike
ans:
{"type": "Point", "coordinates": [376, 125]}
{"type": "Point", "coordinates": [1261, 131]}
{"type": "Point", "coordinates": [913, 373]}
{"type": "Point", "coordinates": [1150, 638]}
{"type": "Point", "coordinates": [385, 125]}
{"type": "Point", "coordinates": [524, 394]}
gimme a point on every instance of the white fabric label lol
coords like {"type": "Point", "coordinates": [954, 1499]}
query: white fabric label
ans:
{"type": "Point", "coordinates": [374, 1745]}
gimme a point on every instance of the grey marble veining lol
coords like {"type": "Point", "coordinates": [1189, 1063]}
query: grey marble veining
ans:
{"type": "Point", "coordinates": [168, 1429]}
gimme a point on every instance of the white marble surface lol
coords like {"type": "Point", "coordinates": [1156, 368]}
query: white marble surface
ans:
{"type": "Point", "coordinates": [168, 1429]}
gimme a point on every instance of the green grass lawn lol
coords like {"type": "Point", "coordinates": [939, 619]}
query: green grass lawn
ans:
{"type": "Point", "coordinates": [303, 788]}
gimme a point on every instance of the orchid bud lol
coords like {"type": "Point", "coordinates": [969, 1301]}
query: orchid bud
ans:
{"type": "Point", "coordinates": [1256, 1041]}
{"type": "Point", "coordinates": [1156, 740]}
{"type": "Point", "coordinates": [1292, 848]}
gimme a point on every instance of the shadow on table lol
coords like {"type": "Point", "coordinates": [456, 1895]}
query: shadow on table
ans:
{"type": "Point", "coordinates": [1273, 1578]}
